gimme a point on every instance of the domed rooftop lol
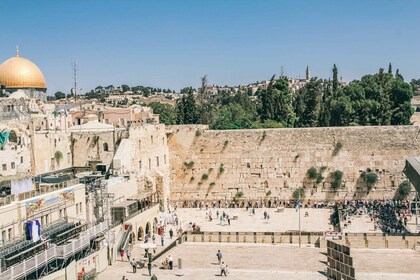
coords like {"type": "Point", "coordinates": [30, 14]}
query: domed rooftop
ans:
{"type": "Point", "coordinates": [20, 73]}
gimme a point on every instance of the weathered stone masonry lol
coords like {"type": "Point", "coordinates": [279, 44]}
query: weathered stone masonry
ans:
{"type": "Point", "coordinates": [257, 161]}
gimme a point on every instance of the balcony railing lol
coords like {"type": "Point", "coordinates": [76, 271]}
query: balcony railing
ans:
{"type": "Point", "coordinates": [55, 252]}
{"type": "Point", "coordinates": [47, 188]}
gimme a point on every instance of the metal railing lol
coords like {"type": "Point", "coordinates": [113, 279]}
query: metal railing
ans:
{"type": "Point", "coordinates": [55, 252]}
{"type": "Point", "coordinates": [44, 189]}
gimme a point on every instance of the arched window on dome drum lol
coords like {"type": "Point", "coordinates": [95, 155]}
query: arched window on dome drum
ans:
{"type": "Point", "coordinates": [105, 147]}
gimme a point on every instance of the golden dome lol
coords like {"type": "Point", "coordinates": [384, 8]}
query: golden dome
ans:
{"type": "Point", "coordinates": [19, 72]}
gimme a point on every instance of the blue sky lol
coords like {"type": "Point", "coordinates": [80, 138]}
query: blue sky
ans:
{"type": "Point", "coordinates": [172, 43]}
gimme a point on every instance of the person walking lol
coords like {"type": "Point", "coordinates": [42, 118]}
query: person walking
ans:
{"type": "Point", "coordinates": [171, 233]}
{"type": "Point", "coordinates": [162, 240]}
{"type": "Point", "coordinates": [128, 254]}
{"type": "Point", "coordinates": [134, 265]}
{"type": "Point", "coordinates": [170, 262]}
{"type": "Point", "coordinates": [223, 269]}
{"type": "Point", "coordinates": [219, 256]}
{"type": "Point", "coordinates": [122, 255]}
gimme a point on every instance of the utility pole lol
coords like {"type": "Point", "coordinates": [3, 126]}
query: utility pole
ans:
{"type": "Point", "coordinates": [282, 72]}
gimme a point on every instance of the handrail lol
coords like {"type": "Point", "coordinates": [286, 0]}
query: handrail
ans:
{"type": "Point", "coordinates": [54, 252]}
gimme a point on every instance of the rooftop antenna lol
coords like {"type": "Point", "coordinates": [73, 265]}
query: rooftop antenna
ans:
{"type": "Point", "coordinates": [17, 50]}
{"type": "Point", "coordinates": [75, 68]}
{"type": "Point", "coordinates": [282, 71]}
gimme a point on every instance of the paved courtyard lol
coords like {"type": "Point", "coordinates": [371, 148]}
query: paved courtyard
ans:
{"type": "Point", "coordinates": [272, 262]}
{"type": "Point", "coordinates": [288, 220]}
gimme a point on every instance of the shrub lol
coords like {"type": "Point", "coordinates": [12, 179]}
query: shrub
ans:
{"type": "Point", "coordinates": [189, 164]}
{"type": "Point", "coordinates": [336, 179]}
{"type": "Point", "coordinates": [204, 177]}
{"type": "Point", "coordinates": [225, 143]}
{"type": "Point", "coordinates": [239, 194]}
{"type": "Point", "coordinates": [210, 170]}
{"type": "Point", "coordinates": [221, 168]}
{"type": "Point", "coordinates": [370, 178]}
{"type": "Point", "coordinates": [212, 184]}
{"type": "Point", "coordinates": [312, 173]}
{"type": "Point", "coordinates": [298, 192]}
{"type": "Point", "coordinates": [268, 193]}
{"type": "Point", "coordinates": [198, 133]}
{"type": "Point", "coordinates": [403, 190]}
{"type": "Point", "coordinates": [58, 156]}
{"type": "Point", "coordinates": [319, 178]}
{"type": "Point", "coordinates": [192, 178]}
{"type": "Point", "coordinates": [337, 148]}
{"type": "Point", "coordinates": [199, 183]}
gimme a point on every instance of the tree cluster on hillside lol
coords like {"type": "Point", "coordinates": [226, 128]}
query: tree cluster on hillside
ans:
{"type": "Point", "coordinates": [378, 99]}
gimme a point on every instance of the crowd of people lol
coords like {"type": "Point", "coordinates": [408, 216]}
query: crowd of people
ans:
{"type": "Point", "coordinates": [270, 203]}
{"type": "Point", "coordinates": [390, 216]}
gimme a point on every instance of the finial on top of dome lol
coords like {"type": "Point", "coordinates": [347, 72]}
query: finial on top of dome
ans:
{"type": "Point", "coordinates": [17, 50]}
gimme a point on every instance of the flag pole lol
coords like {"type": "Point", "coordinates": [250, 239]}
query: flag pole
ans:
{"type": "Point", "coordinates": [299, 220]}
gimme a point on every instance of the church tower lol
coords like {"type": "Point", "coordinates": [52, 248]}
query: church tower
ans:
{"type": "Point", "coordinates": [308, 73]}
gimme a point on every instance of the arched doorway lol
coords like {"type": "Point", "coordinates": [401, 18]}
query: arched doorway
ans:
{"type": "Point", "coordinates": [155, 226]}
{"type": "Point", "coordinates": [140, 234]}
{"type": "Point", "coordinates": [148, 230]}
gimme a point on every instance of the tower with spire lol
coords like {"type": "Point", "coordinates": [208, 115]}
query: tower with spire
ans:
{"type": "Point", "coordinates": [308, 73]}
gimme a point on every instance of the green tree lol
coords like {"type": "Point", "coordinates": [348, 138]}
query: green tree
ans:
{"type": "Point", "coordinates": [125, 88]}
{"type": "Point", "coordinates": [59, 95]}
{"type": "Point", "coordinates": [186, 109]}
{"type": "Point", "coordinates": [232, 116]}
{"type": "Point", "coordinates": [166, 112]}
{"type": "Point", "coordinates": [335, 79]}
{"type": "Point", "coordinates": [308, 104]}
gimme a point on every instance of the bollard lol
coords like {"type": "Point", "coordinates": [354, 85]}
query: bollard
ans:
{"type": "Point", "coordinates": [179, 272]}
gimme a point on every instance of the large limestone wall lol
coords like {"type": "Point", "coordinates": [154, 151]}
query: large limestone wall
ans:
{"type": "Point", "coordinates": [277, 160]}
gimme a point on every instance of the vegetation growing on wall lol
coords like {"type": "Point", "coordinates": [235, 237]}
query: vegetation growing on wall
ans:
{"type": "Point", "coordinates": [337, 148]}
{"type": "Point", "coordinates": [403, 190]}
{"type": "Point", "coordinates": [299, 192]}
{"type": "Point", "coordinates": [204, 177]}
{"type": "Point", "coordinates": [189, 164]}
{"type": "Point", "coordinates": [370, 178]}
{"type": "Point", "coordinates": [336, 179]}
{"type": "Point", "coordinates": [58, 156]}
{"type": "Point", "coordinates": [239, 194]}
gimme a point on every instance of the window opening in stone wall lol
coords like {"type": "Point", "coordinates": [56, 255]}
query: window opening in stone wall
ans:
{"type": "Point", "coordinates": [150, 164]}
{"type": "Point", "coordinates": [139, 145]}
{"type": "Point", "coordinates": [151, 139]}
{"type": "Point", "coordinates": [140, 164]}
{"type": "Point", "coordinates": [21, 159]}
{"type": "Point", "coordinates": [12, 165]}
{"type": "Point", "coordinates": [105, 147]}
{"type": "Point", "coordinates": [164, 159]}
{"type": "Point", "coordinates": [157, 161]}
{"type": "Point", "coordinates": [4, 168]}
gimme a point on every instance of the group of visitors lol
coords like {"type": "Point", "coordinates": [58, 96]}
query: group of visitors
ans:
{"type": "Point", "coordinates": [223, 266]}
{"type": "Point", "coordinates": [388, 215]}
{"type": "Point", "coordinates": [270, 203]}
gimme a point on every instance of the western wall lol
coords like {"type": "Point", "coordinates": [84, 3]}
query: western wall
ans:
{"type": "Point", "coordinates": [272, 163]}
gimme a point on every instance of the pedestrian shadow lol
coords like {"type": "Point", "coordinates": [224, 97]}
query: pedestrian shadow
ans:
{"type": "Point", "coordinates": [214, 263]}
{"type": "Point", "coordinates": [323, 262]}
{"type": "Point", "coordinates": [145, 274]}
